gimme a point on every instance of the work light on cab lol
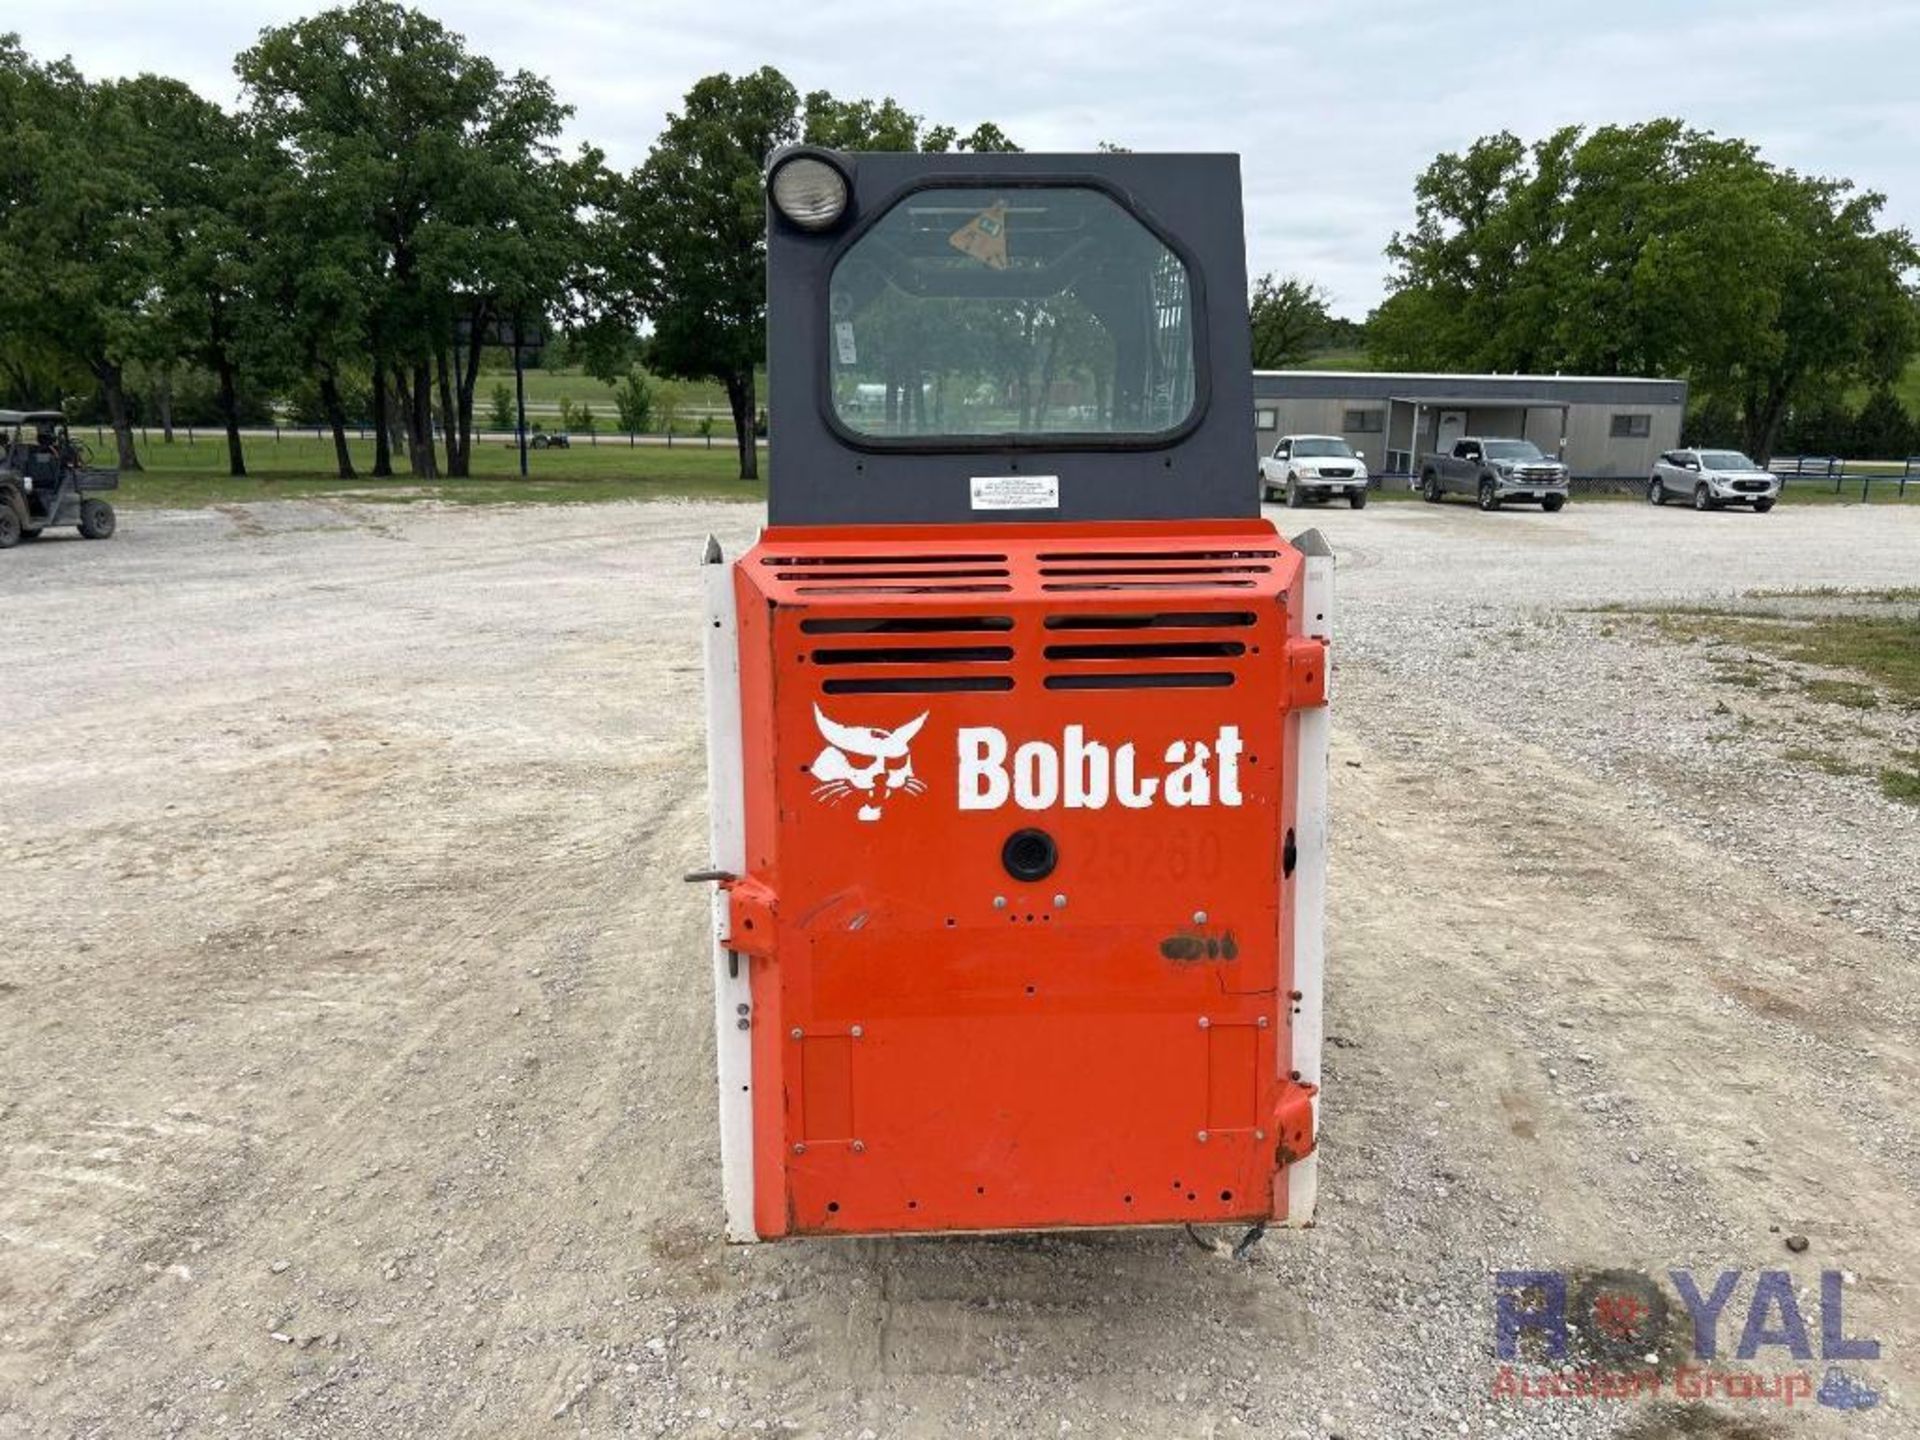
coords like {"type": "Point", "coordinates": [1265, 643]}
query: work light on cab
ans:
{"type": "Point", "coordinates": [809, 192]}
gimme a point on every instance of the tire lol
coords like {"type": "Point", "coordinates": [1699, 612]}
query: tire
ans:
{"type": "Point", "coordinates": [1551, 503]}
{"type": "Point", "coordinates": [1357, 498]}
{"type": "Point", "coordinates": [1430, 488]}
{"type": "Point", "coordinates": [1294, 498]}
{"type": "Point", "coordinates": [539, 442]}
{"type": "Point", "coordinates": [1656, 492]}
{"type": "Point", "coordinates": [9, 527]}
{"type": "Point", "coordinates": [1489, 497]}
{"type": "Point", "coordinates": [97, 519]}
{"type": "Point", "coordinates": [1703, 497]}
{"type": "Point", "coordinates": [1760, 507]}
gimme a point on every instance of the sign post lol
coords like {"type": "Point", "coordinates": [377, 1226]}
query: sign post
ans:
{"type": "Point", "coordinates": [520, 396]}
{"type": "Point", "coordinates": [519, 335]}
{"type": "Point", "coordinates": [524, 336]}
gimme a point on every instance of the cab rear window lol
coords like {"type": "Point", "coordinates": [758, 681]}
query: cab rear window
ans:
{"type": "Point", "coordinates": [1039, 312]}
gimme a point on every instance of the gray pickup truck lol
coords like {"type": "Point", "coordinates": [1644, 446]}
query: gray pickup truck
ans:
{"type": "Point", "coordinates": [1493, 472]}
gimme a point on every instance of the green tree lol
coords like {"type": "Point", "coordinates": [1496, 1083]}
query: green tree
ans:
{"type": "Point", "coordinates": [695, 222]}
{"type": "Point", "coordinates": [1883, 430]}
{"type": "Point", "coordinates": [207, 225]}
{"type": "Point", "coordinates": [986, 138]}
{"type": "Point", "coordinates": [501, 408]}
{"type": "Point", "coordinates": [1290, 321]}
{"type": "Point", "coordinates": [35, 376]}
{"type": "Point", "coordinates": [1650, 249]}
{"type": "Point", "coordinates": [692, 222]}
{"type": "Point", "coordinates": [633, 401]}
{"type": "Point", "coordinates": [858, 124]}
{"type": "Point", "coordinates": [1463, 295]}
{"type": "Point", "coordinates": [77, 255]}
{"type": "Point", "coordinates": [453, 167]}
{"type": "Point", "coordinates": [318, 278]}
{"type": "Point", "coordinates": [1712, 421]}
{"type": "Point", "coordinates": [667, 403]}
{"type": "Point", "coordinates": [887, 125]}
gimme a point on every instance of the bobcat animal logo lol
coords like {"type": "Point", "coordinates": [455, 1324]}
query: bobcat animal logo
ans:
{"type": "Point", "coordinates": [871, 764]}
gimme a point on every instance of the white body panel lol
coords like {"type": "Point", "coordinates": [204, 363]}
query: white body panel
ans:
{"type": "Point", "coordinates": [1310, 739]}
{"type": "Point", "coordinates": [727, 821]}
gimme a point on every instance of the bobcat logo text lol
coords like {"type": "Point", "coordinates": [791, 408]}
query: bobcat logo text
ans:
{"type": "Point", "coordinates": [1083, 774]}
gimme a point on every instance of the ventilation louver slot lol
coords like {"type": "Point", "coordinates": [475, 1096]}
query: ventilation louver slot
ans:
{"type": "Point", "coordinates": [1149, 650]}
{"type": "Point", "coordinates": [912, 654]}
{"type": "Point", "coordinates": [1076, 557]}
{"type": "Point", "coordinates": [932, 585]}
{"type": "Point", "coordinates": [914, 684]}
{"type": "Point", "coordinates": [907, 624]}
{"type": "Point", "coordinates": [1162, 620]}
{"type": "Point", "coordinates": [1125, 659]}
{"type": "Point", "coordinates": [1176, 582]}
{"type": "Point", "coordinates": [917, 645]}
{"type": "Point", "coordinates": [958, 574]}
{"type": "Point", "coordinates": [1062, 570]}
{"type": "Point", "coordinates": [794, 562]}
{"type": "Point", "coordinates": [1143, 680]}
{"type": "Point", "coordinates": [841, 575]}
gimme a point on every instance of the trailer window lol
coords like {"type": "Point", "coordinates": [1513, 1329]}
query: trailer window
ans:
{"type": "Point", "coordinates": [1043, 312]}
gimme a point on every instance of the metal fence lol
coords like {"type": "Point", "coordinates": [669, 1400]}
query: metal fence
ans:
{"type": "Point", "coordinates": [670, 436]}
{"type": "Point", "coordinates": [1806, 471]}
{"type": "Point", "coordinates": [1823, 470]}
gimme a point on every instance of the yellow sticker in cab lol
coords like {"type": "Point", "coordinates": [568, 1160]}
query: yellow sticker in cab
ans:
{"type": "Point", "coordinates": [984, 237]}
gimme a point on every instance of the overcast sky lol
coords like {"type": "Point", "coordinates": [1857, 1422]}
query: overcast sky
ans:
{"type": "Point", "coordinates": [1333, 106]}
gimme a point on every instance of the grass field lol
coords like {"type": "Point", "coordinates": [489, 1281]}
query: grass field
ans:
{"type": "Point", "coordinates": [1335, 360]}
{"type": "Point", "coordinates": [1907, 388]}
{"type": "Point", "coordinates": [187, 476]}
{"type": "Point", "coordinates": [1883, 649]}
{"type": "Point", "coordinates": [546, 388]}
{"type": "Point", "coordinates": [1878, 653]}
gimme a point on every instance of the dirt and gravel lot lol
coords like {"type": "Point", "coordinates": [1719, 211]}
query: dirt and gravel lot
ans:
{"type": "Point", "coordinates": [354, 1051]}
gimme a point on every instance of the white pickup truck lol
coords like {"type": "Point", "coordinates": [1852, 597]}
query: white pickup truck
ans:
{"type": "Point", "coordinates": [1314, 467]}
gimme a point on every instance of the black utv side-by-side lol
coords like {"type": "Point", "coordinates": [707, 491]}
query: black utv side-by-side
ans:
{"type": "Point", "coordinates": [46, 482]}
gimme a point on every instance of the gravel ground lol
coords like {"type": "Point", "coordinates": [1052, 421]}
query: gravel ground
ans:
{"type": "Point", "coordinates": [354, 1065]}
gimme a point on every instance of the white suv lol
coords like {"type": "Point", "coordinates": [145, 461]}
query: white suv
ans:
{"type": "Point", "coordinates": [1314, 467]}
{"type": "Point", "coordinates": [1712, 478]}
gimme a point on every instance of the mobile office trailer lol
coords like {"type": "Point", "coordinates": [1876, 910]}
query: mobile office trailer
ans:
{"type": "Point", "coordinates": [1017, 726]}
